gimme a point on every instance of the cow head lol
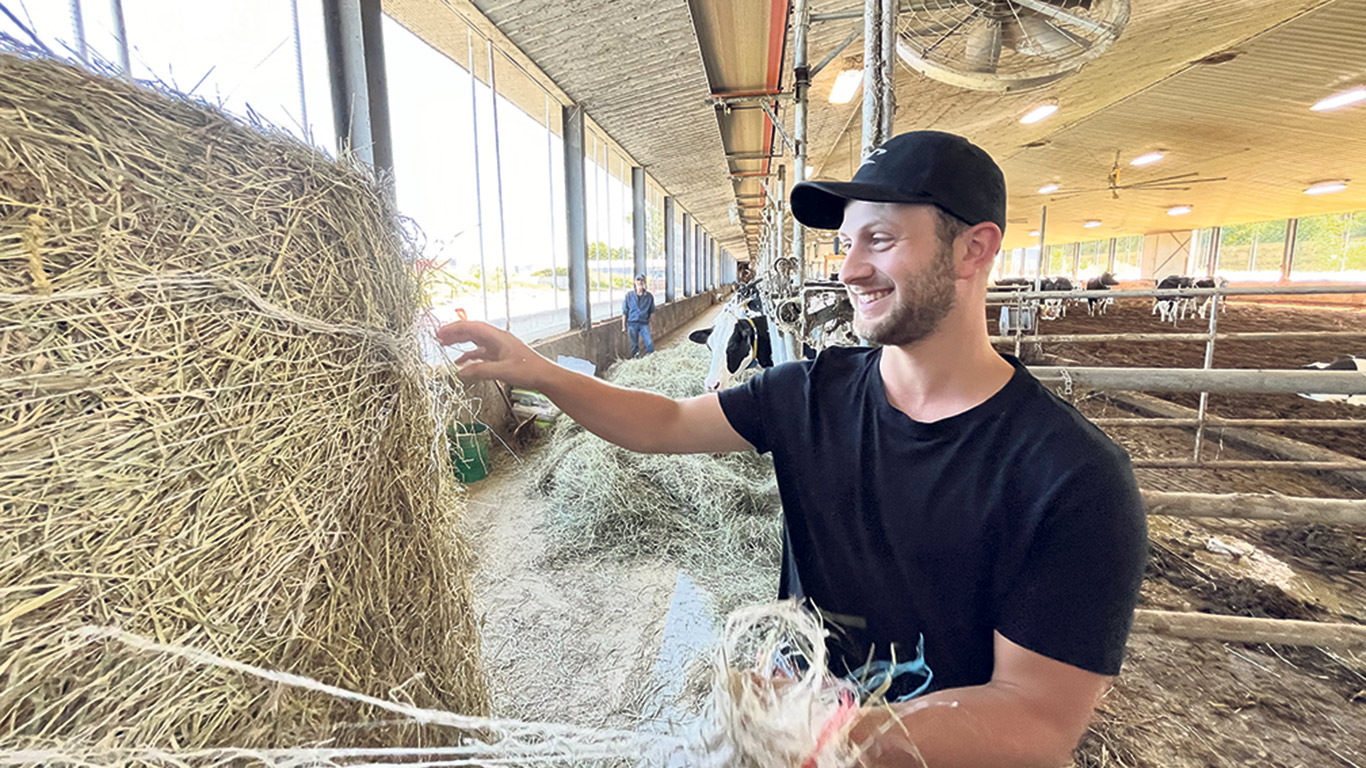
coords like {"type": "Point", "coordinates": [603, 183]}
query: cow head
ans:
{"type": "Point", "coordinates": [1108, 279]}
{"type": "Point", "coordinates": [738, 339]}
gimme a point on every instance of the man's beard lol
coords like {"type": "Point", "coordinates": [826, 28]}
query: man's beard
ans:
{"type": "Point", "coordinates": [922, 302]}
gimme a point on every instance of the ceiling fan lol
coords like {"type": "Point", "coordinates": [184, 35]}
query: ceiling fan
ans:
{"type": "Point", "coordinates": [1177, 183]}
{"type": "Point", "coordinates": [1006, 45]}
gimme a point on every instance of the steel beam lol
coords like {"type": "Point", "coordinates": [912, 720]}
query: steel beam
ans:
{"type": "Point", "coordinates": [355, 55]}
{"type": "Point", "coordinates": [638, 219]}
{"type": "Point", "coordinates": [689, 244]}
{"type": "Point", "coordinates": [576, 216]}
{"type": "Point", "coordinates": [1292, 228]}
{"type": "Point", "coordinates": [670, 252]}
{"type": "Point", "coordinates": [750, 98]}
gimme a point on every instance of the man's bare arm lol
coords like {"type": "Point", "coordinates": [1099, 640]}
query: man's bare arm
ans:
{"type": "Point", "coordinates": [636, 420]}
{"type": "Point", "coordinates": [1031, 715]}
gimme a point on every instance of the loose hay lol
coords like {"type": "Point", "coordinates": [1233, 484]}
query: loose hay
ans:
{"type": "Point", "coordinates": [717, 515]}
{"type": "Point", "coordinates": [215, 430]}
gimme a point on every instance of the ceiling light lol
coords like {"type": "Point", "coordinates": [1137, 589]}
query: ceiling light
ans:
{"type": "Point", "coordinates": [810, 171]}
{"type": "Point", "coordinates": [1339, 100]}
{"type": "Point", "coordinates": [1048, 189]}
{"type": "Point", "coordinates": [846, 85]}
{"type": "Point", "coordinates": [1092, 224]}
{"type": "Point", "coordinates": [1326, 188]}
{"type": "Point", "coordinates": [1147, 159]}
{"type": "Point", "coordinates": [1035, 233]}
{"type": "Point", "coordinates": [1178, 210]}
{"type": "Point", "coordinates": [1039, 113]}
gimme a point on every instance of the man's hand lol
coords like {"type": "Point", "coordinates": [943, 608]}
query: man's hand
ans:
{"type": "Point", "coordinates": [497, 354]}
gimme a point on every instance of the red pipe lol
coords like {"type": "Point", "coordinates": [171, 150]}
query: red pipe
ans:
{"type": "Point", "coordinates": [777, 34]}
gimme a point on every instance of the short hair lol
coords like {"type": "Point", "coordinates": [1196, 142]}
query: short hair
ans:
{"type": "Point", "coordinates": [640, 277]}
{"type": "Point", "coordinates": [948, 226]}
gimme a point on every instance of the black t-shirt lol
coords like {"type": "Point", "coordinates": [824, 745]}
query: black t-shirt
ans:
{"type": "Point", "coordinates": [916, 540]}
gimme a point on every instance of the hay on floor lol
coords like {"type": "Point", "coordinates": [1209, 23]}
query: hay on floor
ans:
{"type": "Point", "coordinates": [215, 431]}
{"type": "Point", "coordinates": [716, 515]}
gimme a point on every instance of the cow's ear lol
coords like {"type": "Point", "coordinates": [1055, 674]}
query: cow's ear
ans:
{"type": "Point", "coordinates": [700, 335]}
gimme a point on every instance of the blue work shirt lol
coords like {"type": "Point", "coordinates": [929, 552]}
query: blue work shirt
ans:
{"type": "Point", "coordinates": [637, 309]}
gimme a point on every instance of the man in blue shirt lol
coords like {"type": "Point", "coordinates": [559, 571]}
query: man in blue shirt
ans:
{"type": "Point", "coordinates": [636, 310]}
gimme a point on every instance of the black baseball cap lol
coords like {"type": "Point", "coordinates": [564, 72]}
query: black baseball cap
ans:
{"type": "Point", "coordinates": [932, 167]}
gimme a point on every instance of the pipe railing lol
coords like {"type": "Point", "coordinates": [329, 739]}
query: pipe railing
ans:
{"type": "Point", "coordinates": [1010, 296]}
{"type": "Point", "coordinates": [1103, 338]}
{"type": "Point", "coordinates": [1217, 423]}
{"type": "Point", "coordinates": [1256, 506]}
{"type": "Point", "coordinates": [1223, 380]}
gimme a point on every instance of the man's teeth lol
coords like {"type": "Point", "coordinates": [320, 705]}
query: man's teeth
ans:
{"type": "Point", "coordinates": [871, 296]}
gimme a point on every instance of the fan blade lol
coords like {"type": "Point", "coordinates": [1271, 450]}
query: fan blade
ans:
{"type": "Point", "coordinates": [982, 49]}
{"type": "Point", "coordinates": [1031, 35]}
{"type": "Point", "coordinates": [1057, 13]}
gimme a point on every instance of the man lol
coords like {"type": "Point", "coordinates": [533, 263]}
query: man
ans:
{"type": "Point", "coordinates": [973, 544]}
{"type": "Point", "coordinates": [636, 310]}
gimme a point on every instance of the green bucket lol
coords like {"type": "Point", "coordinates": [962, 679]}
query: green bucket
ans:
{"type": "Point", "coordinates": [469, 451]}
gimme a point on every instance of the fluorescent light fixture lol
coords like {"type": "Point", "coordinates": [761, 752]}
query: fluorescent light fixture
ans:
{"type": "Point", "coordinates": [1039, 113]}
{"type": "Point", "coordinates": [1048, 189]}
{"type": "Point", "coordinates": [846, 85]}
{"type": "Point", "coordinates": [1092, 223]}
{"type": "Point", "coordinates": [1339, 100]}
{"type": "Point", "coordinates": [1326, 188]}
{"type": "Point", "coordinates": [1147, 159]}
{"type": "Point", "coordinates": [1178, 210]}
{"type": "Point", "coordinates": [1034, 233]}
{"type": "Point", "coordinates": [810, 171]}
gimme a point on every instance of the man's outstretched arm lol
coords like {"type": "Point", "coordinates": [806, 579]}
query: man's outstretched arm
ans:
{"type": "Point", "coordinates": [635, 420]}
{"type": "Point", "coordinates": [1031, 715]}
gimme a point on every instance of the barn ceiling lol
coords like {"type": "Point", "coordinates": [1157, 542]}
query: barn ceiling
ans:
{"type": "Point", "coordinates": [646, 70]}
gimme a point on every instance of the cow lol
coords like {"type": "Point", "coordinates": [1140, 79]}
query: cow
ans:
{"type": "Point", "coordinates": [1211, 282]}
{"type": "Point", "coordinates": [1055, 308]}
{"type": "Point", "coordinates": [1095, 306]}
{"type": "Point", "coordinates": [1177, 307]}
{"type": "Point", "coordinates": [738, 339]}
{"type": "Point", "coordinates": [1349, 363]}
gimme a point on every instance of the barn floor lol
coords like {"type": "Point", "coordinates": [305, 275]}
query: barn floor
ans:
{"type": "Point", "coordinates": [580, 643]}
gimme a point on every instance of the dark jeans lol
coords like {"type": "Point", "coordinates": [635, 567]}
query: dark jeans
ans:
{"type": "Point", "coordinates": [639, 331]}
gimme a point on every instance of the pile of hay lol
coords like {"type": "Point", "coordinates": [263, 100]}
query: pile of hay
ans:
{"type": "Point", "coordinates": [716, 515]}
{"type": "Point", "coordinates": [215, 431]}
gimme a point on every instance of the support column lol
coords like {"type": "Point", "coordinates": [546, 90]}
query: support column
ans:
{"type": "Point", "coordinates": [576, 216]}
{"type": "Point", "coordinates": [670, 252]}
{"type": "Point", "coordinates": [638, 220]}
{"type": "Point", "coordinates": [1110, 260]}
{"type": "Point", "coordinates": [1216, 238]}
{"type": "Point", "coordinates": [699, 275]}
{"type": "Point", "coordinates": [801, 84]}
{"type": "Point", "coordinates": [688, 254]}
{"type": "Point", "coordinates": [1292, 228]}
{"type": "Point", "coordinates": [360, 101]}
{"type": "Point", "coordinates": [879, 55]}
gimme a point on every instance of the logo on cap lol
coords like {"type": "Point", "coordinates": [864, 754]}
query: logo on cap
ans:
{"type": "Point", "coordinates": [869, 160]}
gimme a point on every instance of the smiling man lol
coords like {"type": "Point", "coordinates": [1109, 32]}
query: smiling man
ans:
{"type": "Point", "coordinates": [974, 545]}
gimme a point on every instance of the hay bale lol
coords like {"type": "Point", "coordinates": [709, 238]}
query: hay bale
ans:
{"type": "Point", "coordinates": [215, 430]}
{"type": "Point", "coordinates": [716, 515]}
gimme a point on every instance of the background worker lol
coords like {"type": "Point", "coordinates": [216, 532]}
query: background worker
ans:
{"type": "Point", "coordinates": [974, 545]}
{"type": "Point", "coordinates": [636, 310]}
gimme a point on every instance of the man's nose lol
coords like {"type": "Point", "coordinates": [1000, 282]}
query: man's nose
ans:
{"type": "Point", "coordinates": [854, 267]}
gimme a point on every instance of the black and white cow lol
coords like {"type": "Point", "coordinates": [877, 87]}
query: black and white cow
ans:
{"type": "Point", "coordinates": [1053, 309]}
{"type": "Point", "coordinates": [1096, 306]}
{"type": "Point", "coordinates": [1211, 282]}
{"type": "Point", "coordinates": [738, 339]}
{"type": "Point", "coordinates": [1349, 363]}
{"type": "Point", "coordinates": [1176, 307]}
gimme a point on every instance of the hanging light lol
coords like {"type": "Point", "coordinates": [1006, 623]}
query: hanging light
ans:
{"type": "Point", "coordinates": [1326, 187]}
{"type": "Point", "coordinates": [1048, 189]}
{"type": "Point", "coordinates": [1092, 223]}
{"type": "Point", "coordinates": [1178, 210]}
{"type": "Point", "coordinates": [1038, 113]}
{"type": "Point", "coordinates": [1340, 100]}
{"type": "Point", "coordinates": [1147, 159]}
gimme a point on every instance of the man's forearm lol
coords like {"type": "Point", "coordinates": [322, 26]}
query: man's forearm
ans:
{"type": "Point", "coordinates": [984, 726]}
{"type": "Point", "coordinates": [630, 418]}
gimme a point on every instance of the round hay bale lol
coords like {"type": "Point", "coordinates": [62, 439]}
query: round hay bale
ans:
{"type": "Point", "coordinates": [215, 431]}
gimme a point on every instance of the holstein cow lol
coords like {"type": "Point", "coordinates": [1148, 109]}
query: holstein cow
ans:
{"type": "Point", "coordinates": [1174, 308]}
{"type": "Point", "coordinates": [1098, 306]}
{"type": "Point", "coordinates": [1211, 282]}
{"type": "Point", "coordinates": [1055, 308]}
{"type": "Point", "coordinates": [738, 339]}
{"type": "Point", "coordinates": [1349, 363]}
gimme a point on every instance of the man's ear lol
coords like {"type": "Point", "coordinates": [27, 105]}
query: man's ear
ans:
{"type": "Point", "coordinates": [980, 244]}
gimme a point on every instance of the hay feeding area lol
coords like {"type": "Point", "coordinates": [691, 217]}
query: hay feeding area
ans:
{"type": "Point", "coordinates": [215, 431]}
{"type": "Point", "coordinates": [718, 516]}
